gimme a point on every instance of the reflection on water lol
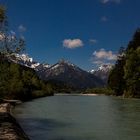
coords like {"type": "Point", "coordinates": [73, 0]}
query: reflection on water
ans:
{"type": "Point", "coordinates": [80, 118]}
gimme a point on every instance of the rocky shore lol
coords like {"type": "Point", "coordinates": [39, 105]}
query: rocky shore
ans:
{"type": "Point", "coordinates": [9, 127]}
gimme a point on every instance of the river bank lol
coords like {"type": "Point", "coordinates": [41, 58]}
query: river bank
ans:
{"type": "Point", "coordinates": [76, 94]}
{"type": "Point", "coordinates": [9, 127]}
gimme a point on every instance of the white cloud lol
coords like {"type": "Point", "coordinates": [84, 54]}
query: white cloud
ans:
{"type": "Point", "coordinates": [112, 1]}
{"type": "Point", "coordinates": [104, 19]}
{"type": "Point", "coordinates": [103, 54]}
{"type": "Point", "coordinates": [72, 43]}
{"type": "Point", "coordinates": [21, 28]}
{"type": "Point", "coordinates": [103, 57]}
{"type": "Point", "coordinates": [93, 41]}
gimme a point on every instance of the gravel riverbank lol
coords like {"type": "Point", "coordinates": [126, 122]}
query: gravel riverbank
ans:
{"type": "Point", "coordinates": [9, 127]}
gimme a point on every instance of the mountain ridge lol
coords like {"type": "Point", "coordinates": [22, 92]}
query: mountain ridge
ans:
{"type": "Point", "coordinates": [73, 75]}
{"type": "Point", "coordinates": [102, 72]}
{"type": "Point", "coordinates": [63, 71]}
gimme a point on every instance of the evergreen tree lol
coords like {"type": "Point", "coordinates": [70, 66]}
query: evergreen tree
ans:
{"type": "Point", "coordinates": [9, 43]}
{"type": "Point", "coordinates": [135, 42]}
{"type": "Point", "coordinates": [132, 73]}
{"type": "Point", "coordinates": [125, 77]}
{"type": "Point", "coordinates": [116, 76]}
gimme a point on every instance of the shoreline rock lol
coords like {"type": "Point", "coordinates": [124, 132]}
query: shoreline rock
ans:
{"type": "Point", "coordinates": [9, 127]}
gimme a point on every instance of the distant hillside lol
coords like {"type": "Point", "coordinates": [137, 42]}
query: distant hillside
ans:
{"type": "Point", "coordinates": [71, 75]}
{"type": "Point", "coordinates": [102, 72]}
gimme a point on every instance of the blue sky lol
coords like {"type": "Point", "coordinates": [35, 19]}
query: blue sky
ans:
{"type": "Point", "coordinates": [85, 32]}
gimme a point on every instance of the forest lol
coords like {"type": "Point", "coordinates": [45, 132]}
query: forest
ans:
{"type": "Point", "coordinates": [124, 79]}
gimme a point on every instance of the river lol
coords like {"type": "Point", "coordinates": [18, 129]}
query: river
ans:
{"type": "Point", "coordinates": [69, 117]}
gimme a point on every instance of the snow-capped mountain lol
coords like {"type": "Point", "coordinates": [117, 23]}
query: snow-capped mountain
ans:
{"type": "Point", "coordinates": [25, 60]}
{"type": "Point", "coordinates": [71, 74]}
{"type": "Point", "coordinates": [102, 72]}
{"type": "Point", "coordinates": [63, 71]}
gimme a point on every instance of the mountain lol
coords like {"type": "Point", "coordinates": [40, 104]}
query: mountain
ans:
{"type": "Point", "coordinates": [102, 72]}
{"type": "Point", "coordinates": [25, 60]}
{"type": "Point", "coordinates": [71, 75]}
{"type": "Point", "coordinates": [62, 72]}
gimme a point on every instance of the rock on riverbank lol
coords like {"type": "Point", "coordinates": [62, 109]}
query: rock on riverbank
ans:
{"type": "Point", "coordinates": [9, 127]}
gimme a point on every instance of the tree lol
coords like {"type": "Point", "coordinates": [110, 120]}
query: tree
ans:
{"type": "Point", "coordinates": [125, 77]}
{"type": "Point", "coordinates": [135, 42]}
{"type": "Point", "coordinates": [132, 67]}
{"type": "Point", "coordinates": [16, 81]}
{"type": "Point", "coordinates": [116, 77]}
{"type": "Point", "coordinates": [9, 42]}
{"type": "Point", "coordinates": [132, 73]}
{"type": "Point", "coordinates": [3, 18]}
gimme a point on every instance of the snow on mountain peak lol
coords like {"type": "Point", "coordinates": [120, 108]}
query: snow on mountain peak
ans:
{"type": "Point", "coordinates": [105, 67]}
{"type": "Point", "coordinates": [61, 65]}
{"type": "Point", "coordinates": [24, 57]}
{"type": "Point", "coordinates": [92, 71]}
{"type": "Point", "coordinates": [102, 72]}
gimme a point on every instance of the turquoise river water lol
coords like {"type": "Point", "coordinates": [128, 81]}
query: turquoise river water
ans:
{"type": "Point", "coordinates": [70, 117]}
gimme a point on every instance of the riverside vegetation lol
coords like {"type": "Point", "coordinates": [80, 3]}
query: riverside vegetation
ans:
{"type": "Point", "coordinates": [16, 81]}
{"type": "Point", "coordinates": [124, 78]}
{"type": "Point", "coordinates": [19, 82]}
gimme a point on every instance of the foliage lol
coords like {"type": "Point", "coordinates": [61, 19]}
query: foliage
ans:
{"type": "Point", "coordinates": [9, 42]}
{"type": "Point", "coordinates": [116, 78]}
{"type": "Point", "coordinates": [132, 73]}
{"type": "Point", "coordinates": [3, 18]}
{"type": "Point", "coordinates": [62, 87]}
{"type": "Point", "coordinates": [19, 82]}
{"type": "Point", "coordinates": [124, 79]}
{"type": "Point", "coordinates": [106, 91]}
